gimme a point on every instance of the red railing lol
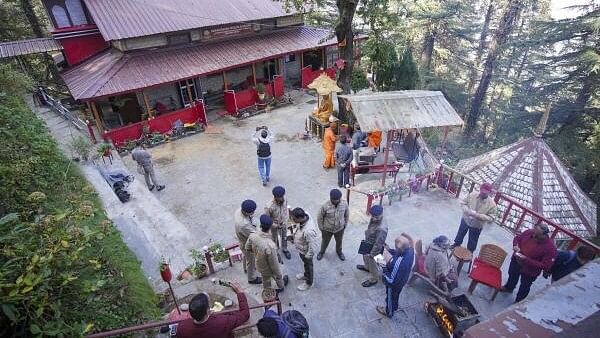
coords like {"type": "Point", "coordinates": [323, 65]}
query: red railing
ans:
{"type": "Point", "coordinates": [235, 101]}
{"type": "Point", "coordinates": [151, 325]}
{"type": "Point", "coordinates": [160, 124]}
{"type": "Point", "coordinates": [456, 184]}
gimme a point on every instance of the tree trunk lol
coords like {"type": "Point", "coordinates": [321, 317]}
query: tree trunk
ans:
{"type": "Point", "coordinates": [345, 38]}
{"type": "Point", "coordinates": [38, 31]}
{"type": "Point", "coordinates": [505, 28]}
{"type": "Point", "coordinates": [428, 46]}
{"type": "Point", "coordinates": [484, 33]}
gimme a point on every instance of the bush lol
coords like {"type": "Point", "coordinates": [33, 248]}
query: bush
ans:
{"type": "Point", "coordinates": [359, 80]}
{"type": "Point", "coordinates": [64, 269]}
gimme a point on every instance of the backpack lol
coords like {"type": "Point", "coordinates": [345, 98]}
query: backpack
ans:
{"type": "Point", "coordinates": [572, 255]}
{"type": "Point", "coordinates": [296, 322]}
{"type": "Point", "coordinates": [263, 149]}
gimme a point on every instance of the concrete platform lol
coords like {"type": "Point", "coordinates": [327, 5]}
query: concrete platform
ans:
{"type": "Point", "coordinates": [208, 175]}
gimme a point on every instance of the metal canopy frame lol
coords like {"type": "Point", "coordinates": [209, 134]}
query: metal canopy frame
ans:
{"type": "Point", "coordinates": [397, 110]}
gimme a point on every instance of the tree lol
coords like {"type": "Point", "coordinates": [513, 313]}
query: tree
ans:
{"type": "Point", "coordinates": [505, 28]}
{"type": "Point", "coordinates": [407, 75]}
{"type": "Point", "coordinates": [482, 45]}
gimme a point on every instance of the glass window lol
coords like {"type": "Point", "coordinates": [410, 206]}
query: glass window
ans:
{"type": "Point", "coordinates": [60, 17]}
{"type": "Point", "coordinates": [76, 12]}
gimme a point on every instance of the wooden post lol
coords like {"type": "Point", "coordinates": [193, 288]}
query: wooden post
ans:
{"type": "Point", "coordinates": [189, 91]}
{"type": "Point", "coordinates": [385, 157]}
{"type": "Point", "coordinates": [324, 55]}
{"type": "Point", "coordinates": [96, 117]}
{"type": "Point", "coordinates": [301, 60]}
{"type": "Point", "coordinates": [225, 80]}
{"type": "Point", "coordinates": [148, 110]}
{"type": "Point", "coordinates": [254, 73]}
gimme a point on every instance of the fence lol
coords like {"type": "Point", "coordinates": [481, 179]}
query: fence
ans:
{"type": "Point", "coordinates": [158, 324]}
{"type": "Point", "coordinates": [59, 108]}
{"type": "Point", "coordinates": [513, 214]}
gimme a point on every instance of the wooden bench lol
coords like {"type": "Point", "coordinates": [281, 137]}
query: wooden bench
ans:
{"type": "Point", "coordinates": [392, 169]}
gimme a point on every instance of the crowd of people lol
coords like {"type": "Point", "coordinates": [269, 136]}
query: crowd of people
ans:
{"type": "Point", "coordinates": [264, 235]}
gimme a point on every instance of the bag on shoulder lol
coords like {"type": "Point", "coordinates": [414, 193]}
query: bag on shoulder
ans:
{"type": "Point", "coordinates": [296, 322]}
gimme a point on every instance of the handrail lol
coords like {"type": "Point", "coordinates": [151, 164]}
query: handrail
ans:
{"type": "Point", "coordinates": [58, 107]}
{"type": "Point", "coordinates": [151, 325]}
{"type": "Point", "coordinates": [575, 239]}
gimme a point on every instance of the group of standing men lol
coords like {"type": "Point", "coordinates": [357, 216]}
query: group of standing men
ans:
{"type": "Point", "coordinates": [260, 243]}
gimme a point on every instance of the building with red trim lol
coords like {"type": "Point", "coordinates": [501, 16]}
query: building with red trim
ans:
{"type": "Point", "coordinates": [138, 60]}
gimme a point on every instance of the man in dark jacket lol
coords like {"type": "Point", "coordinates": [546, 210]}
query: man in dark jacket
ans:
{"type": "Point", "coordinates": [343, 158]}
{"type": "Point", "coordinates": [272, 326]}
{"type": "Point", "coordinates": [534, 251]}
{"type": "Point", "coordinates": [375, 236]}
{"type": "Point", "coordinates": [569, 261]}
{"type": "Point", "coordinates": [205, 324]}
{"type": "Point", "coordinates": [399, 262]}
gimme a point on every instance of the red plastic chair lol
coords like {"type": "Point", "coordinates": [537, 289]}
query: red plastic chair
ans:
{"type": "Point", "coordinates": [486, 268]}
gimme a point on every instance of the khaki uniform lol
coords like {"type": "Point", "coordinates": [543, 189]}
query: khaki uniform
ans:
{"type": "Point", "coordinates": [332, 221]}
{"type": "Point", "coordinates": [265, 252]}
{"type": "Point", "coordinates": [244, 227]}
{"type": "Point", "coordinates": [375, 234]}
{"type": "Point", "coordinates": [280, 216]}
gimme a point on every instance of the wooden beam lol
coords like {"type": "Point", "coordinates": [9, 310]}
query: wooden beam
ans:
{"type": "Point", "coordinates": [301, 60]}
{"type": "Point", "coordinates": [225, 81]}
{"type": "Point", "coordinates": [254, 73]}
{"type": "Point", "coordinates": [96, 116]}
{"type": "Point", "coordinates": [148, 110]}
{"type": "Point", "coordinates": [386, 156]}
{"type": "Point", "coordinates": [324, 62]}
{"type": "Point", "coordinates": [189, 92]}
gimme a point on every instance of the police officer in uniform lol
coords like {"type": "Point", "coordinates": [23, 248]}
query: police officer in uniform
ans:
{"type": "Point", "coordinates": [244, 226]}
{"type": "Point", "coordinates": [277, 209]}
{"type": "Point", "coordinates": [265, 251]}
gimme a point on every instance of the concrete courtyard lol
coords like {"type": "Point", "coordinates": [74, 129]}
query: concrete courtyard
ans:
{"type": "Point", "coordinates": [209, 175]}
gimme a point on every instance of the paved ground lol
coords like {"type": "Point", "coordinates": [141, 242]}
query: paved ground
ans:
{"type": "Point", "coordinates": [208, 175]}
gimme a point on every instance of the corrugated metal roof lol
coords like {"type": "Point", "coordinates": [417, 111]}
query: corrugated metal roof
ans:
{"type": "Point", "coordinates": [31, 46]}
{"type": "Point", "coordinates": [402, 110]}
{"type": "Point", "coordinates": [113, 72]}
{"type": "Point", "coordinates": [532, 174]}
{"type": "Point", "coordinates": [119, 19]}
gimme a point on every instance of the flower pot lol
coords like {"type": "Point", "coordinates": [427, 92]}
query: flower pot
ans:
{"type": "Point", "coordinates": [106, 153]}
{"type": "Point", "coordinates": [261, 96]}
{"type": "Point", "coordinates": [165, 273]}
{"type": "Point", "coordinates": [186, 274]}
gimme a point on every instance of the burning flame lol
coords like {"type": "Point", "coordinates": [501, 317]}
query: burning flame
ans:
{"type": "Point", "coordinates": [439, 311]}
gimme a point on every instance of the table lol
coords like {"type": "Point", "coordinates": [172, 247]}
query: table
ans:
{"type": "Point", "coordinates": [462, 255]}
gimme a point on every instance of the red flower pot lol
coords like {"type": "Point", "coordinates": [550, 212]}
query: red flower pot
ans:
{"type": "Point", "coordinates": [165, 273]}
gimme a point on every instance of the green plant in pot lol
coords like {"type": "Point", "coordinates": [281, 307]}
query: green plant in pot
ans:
{"type": "Point", "coordinates": [199, 267]}
{"type": "Point", "coordinates": [104, 149]}
{"type": "Point", "coordinates": [219, 253]}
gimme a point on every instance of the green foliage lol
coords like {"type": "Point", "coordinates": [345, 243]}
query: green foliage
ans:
{"type": "Point", "coordinates": [81, 146]}
{"type": "Point", "coordinates": [359, 80]}
{"type": "Point", "coordinates": [64, 269]}
{"type": "Point", "coordinates": [407, 75]}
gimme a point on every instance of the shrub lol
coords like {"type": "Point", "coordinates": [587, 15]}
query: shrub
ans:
{"type": "Point", "coordinates": [64, 269]}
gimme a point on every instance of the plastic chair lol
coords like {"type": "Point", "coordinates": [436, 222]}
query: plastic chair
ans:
{"type": "Point", "coordinates": [486, 268]}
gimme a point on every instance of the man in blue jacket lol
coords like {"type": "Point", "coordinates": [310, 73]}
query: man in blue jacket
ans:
{"type": "Point", "coordinates": [399, 263]}
{"type": "Point", "coordinates": [569, 261]}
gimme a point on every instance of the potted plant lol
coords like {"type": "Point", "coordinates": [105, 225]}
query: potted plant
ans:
{"type": "Point", "coordinates": [260, 88]}
{"type": "Point", "coordinates": [199, 267]}
{"type": "Point", "coordinates": [219, 255]}
{"type": "Point", "coordinates": [165, 270]}
{"type": "Point", "coordinates": [104, 149]}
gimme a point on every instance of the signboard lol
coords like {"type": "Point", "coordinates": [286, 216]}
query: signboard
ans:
{"type": "Point", "coordinates": [227, 31]}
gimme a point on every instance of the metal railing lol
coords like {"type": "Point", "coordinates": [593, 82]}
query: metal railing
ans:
{"type": "Point", "coordinates": [457, 183]}
{"type": "Point", "coordinates": [157, 324]}
{"type": "Point", "coordinates": [59, 108]}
